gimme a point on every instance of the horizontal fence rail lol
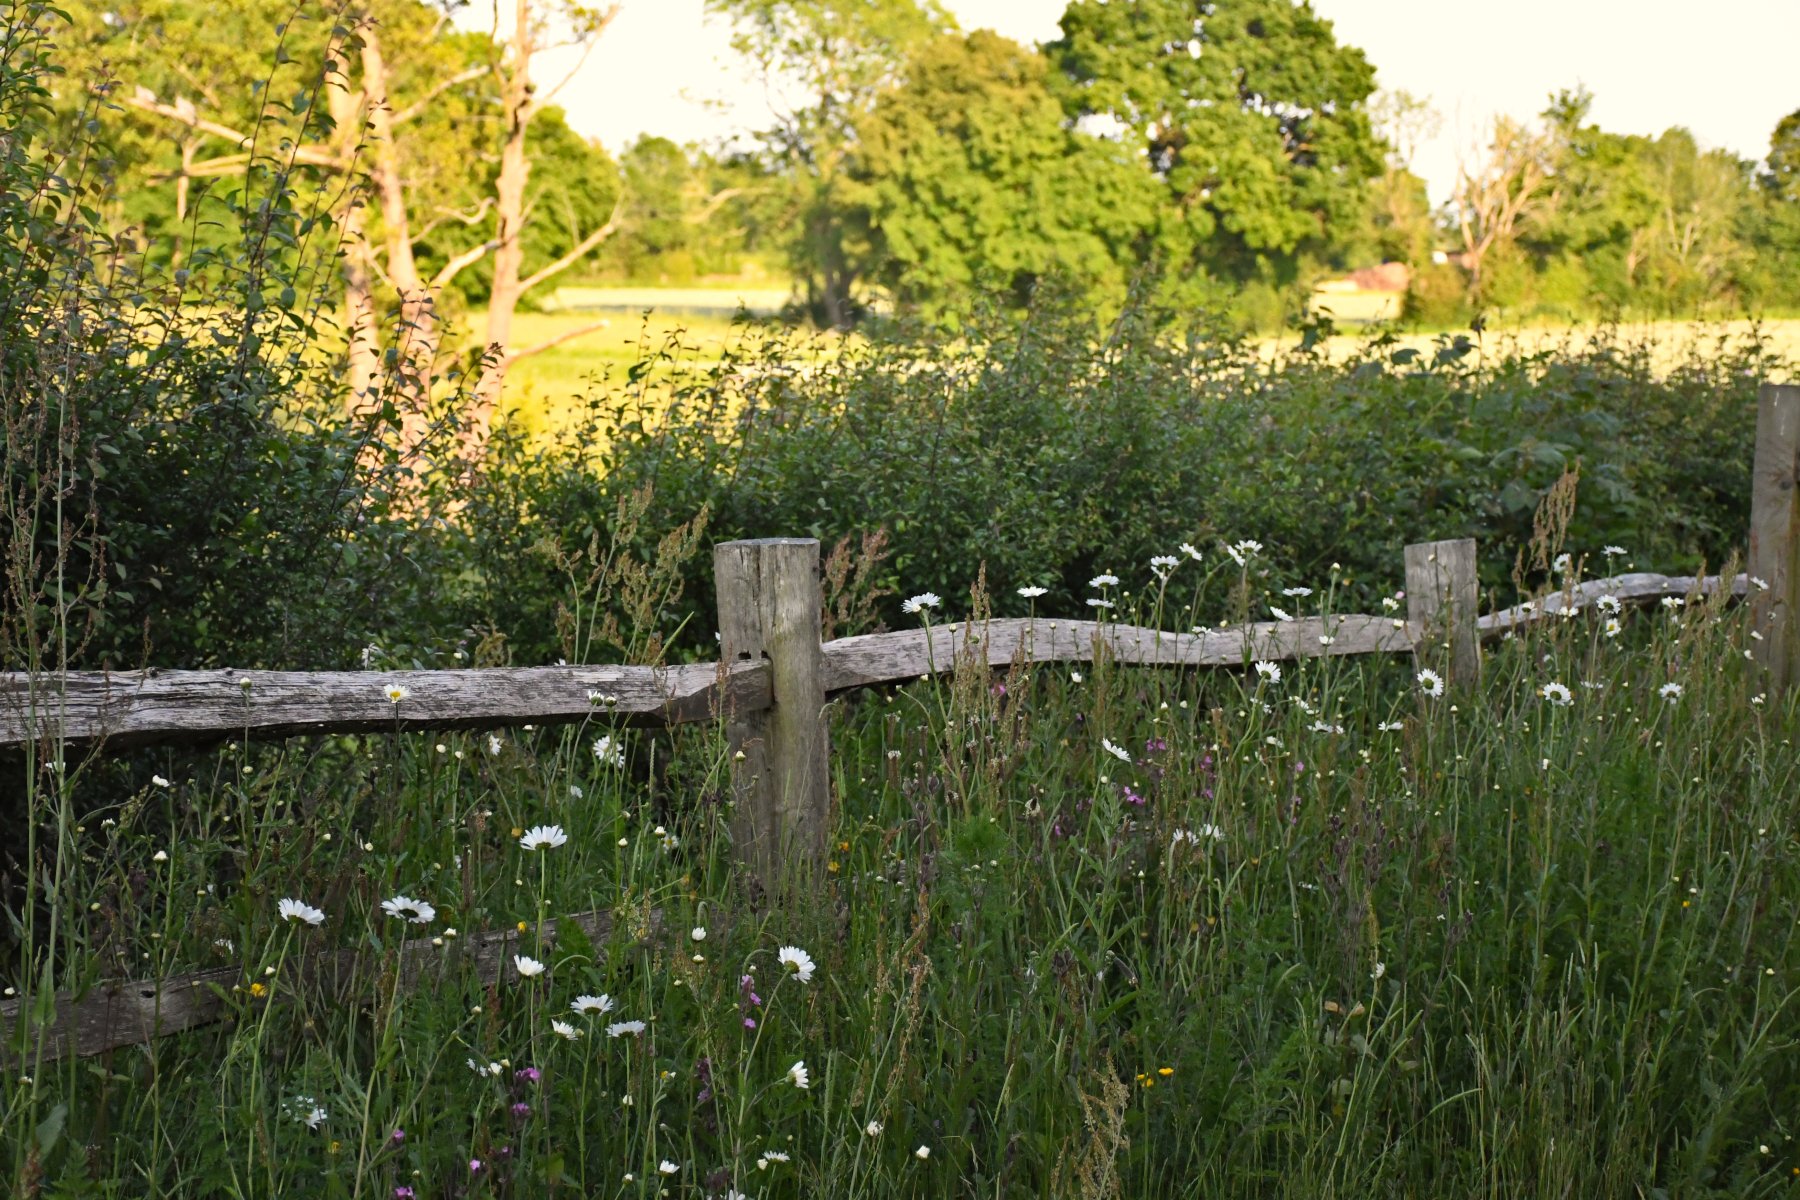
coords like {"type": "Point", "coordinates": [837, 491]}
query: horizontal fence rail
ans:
{"type": "Point", "coordinates": [115, 1014]}
{"type": "Point", "coordinates": [134, 708]}
{"type": "Point", "coordinates": [126, 709]}
{"type": "Point", "coordinates": [1636, 588]}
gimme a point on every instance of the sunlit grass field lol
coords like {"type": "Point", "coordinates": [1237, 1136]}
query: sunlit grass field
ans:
{"type": "Point", "coordinates": [1085, 931]}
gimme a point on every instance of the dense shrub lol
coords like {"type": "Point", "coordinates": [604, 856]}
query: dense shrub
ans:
{"type": "Point", "coordinates": [1049, 452]}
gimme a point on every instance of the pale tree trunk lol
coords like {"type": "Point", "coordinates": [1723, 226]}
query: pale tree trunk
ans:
{"type": "Point", "coordinates": [363, 333]}
{"type": "Point", "coordinates": [509, 250]}
{"type": "Point", "coordinates": [419, 332]}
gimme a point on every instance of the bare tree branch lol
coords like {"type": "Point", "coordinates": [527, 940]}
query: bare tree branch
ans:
{"type": "Point", "coordinates": [454, 267]}
{"type": "Point", "coordinates": [145, 100]}
{"type": "Point", "coordinates": [718, 200]}
{"type": "Point", "coordinates": [424, 102]}
{"type": "Point", "coordinates": [450, 214]}
{"type": "Point", "coordinates": [578, 252]}
{"type": "Point", "coordinates": [566, 336]}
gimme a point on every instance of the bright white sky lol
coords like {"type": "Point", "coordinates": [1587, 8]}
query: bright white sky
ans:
{"type": "Point", "coordinates": [1726, 70]}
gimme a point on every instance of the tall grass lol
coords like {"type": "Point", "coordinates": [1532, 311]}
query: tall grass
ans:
{"type": "Point", "coordinates": [1326, 935]}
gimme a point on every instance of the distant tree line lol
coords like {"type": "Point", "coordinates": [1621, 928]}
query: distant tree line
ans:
{"type": "Point", "coordinates": [1221, 156]}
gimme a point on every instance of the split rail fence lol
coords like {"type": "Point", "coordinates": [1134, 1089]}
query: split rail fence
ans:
{"type": "Point", "coordinates": [770, 689]}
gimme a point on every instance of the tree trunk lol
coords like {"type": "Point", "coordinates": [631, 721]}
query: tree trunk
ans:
{"type": "Point", "coordinates": [509, 250]}
{"type": "Point", "coordinates": [419, 331]}
{"type": "Point", "coordinates": [362, 347]}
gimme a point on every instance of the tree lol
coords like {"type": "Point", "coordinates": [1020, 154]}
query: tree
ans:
{"type": "Point", "coordinates": [839, 57]}
{"type": "Point", "coordinates": [966, 174]}
{"type": "Point", "coordinates": [408, 101]}
{"type": "Point", "coordinates": [1783, 176]}
{"type": "Point", "coordinates": [1655, 222]}
{"type": "Point", "coordinates": [1248, 112]}
{"type": "Point", "coordinates": [1401, 225]}
{"type": "Point", "coordinates": [1496, 191]}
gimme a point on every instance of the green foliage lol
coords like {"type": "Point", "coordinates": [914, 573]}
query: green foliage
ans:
{"type": "Point", "coordinates": [1050, 451]}
{"type": "Point", "coordinates": [1250, 115]}
{"type": "Point", "coordinates": [969, 181]}
{"type": "Point", "coordinates": [178, 485]}
{"type": "Point", "coordinates": [840, 57]}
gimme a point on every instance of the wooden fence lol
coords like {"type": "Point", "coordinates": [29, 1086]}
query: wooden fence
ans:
{"type": "Point", "coordinates": [771, 687]}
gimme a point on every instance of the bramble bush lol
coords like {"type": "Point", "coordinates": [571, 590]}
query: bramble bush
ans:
{"type": "Point", "coordinates": [1049, 451]}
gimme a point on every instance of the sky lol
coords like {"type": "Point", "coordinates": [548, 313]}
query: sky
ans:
{"type": "Point", "coordinates": [1725, 70]}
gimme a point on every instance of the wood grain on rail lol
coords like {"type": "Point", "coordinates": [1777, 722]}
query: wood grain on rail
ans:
{"type": "Point", "coordinates": [138, 707]}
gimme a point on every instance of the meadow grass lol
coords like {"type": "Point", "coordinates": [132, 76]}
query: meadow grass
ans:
{"type": "Point", "coordinates": [1086, 930]}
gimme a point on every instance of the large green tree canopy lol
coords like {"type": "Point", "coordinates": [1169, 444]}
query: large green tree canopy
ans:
{"type": "Point", "coordinates": [1249, 112]}
{"type": "Point", "coordinates": [969, 178]}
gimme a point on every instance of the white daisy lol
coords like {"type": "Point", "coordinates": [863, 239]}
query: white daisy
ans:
{"type": "Point", "coordinates": [797, 961]}
{"type": "Point", "coordinates": [1557, 694]}
{"type": "Point", "coordinates": [798, 1077]}
{"type": "Point", "coordinates": [776, 1156]}
{"type": "Point", "coordinates": [1612, 627]}
{"type": "Point", "coordinates": [1268, 672]}
{"type": "Point", "coordinates": [1189, 549]}
{"type": "Point", "coordinates": [529, 968]}
{"type": "Point", "coordinates": [874, 1128]}
{"type": "Point", "coordinates": [1669, 691]}
{"type": "Point", "coordinates": [1391, 726]}
{"type": "Point", "coordinates": [621, 1028]}
{"type": "Point", "coordinates": [667, 1167]}
{"type": "Point", "coordinates": [1281, 614]}
{"type": "Point", "coordinates": [1118, 752]}
{"type": "Point", "coordinates": [607, 751]}
{"type": "Point", "coordinates": [298, 910]}
{"type": "Point", "coordinates": [1242, 552]}
{"type": "Point", "coordinates": [1032, 593]}
{"type": "Point", "coordinates": [1608, 603]}
{"type": "Point", "coordinates": [1562, 564]}
{"type": "Point", "coordinates": [419, 912]}
{"type": "Point", "coordinates": [597, 1006]}
{"type": "Point", "coordinates": [544, 837]}
{"type": "Point", "coordinates": [698, 933]}
{"type": "Point", "coordinates": [1431, 683]}
{"type": "Point", "coordinates": [922, 1153]}
{"type": "Point", "coordinates": [1297, 592]}
{"type": "Point", "coordinates": [921, 602]}
{"type": "Point", "coordinates": [1097, 602]}
{"type": "Point", "coordinates": [1099, 581]}
{"type": "Point", "coordinates": [1612, 551]}
{"type": "Point", "coordinates": [1162, 564]}
{"type": "Point", "coordinates": [565, 1030]}
{"type": "Point", "coordinates": [310, 1113]}
{"type": "Point", "coordinates": [494, 743]}
{"type": "Point", "coordinates": [396, 692]}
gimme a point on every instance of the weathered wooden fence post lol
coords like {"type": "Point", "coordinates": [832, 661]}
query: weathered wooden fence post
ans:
{"type": "Point", "coordinates": [1775, 534]}
{"type": "Point", "coordinates": [1441, 595]}
{"type": "Point", "coordinates": [769, 605]}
